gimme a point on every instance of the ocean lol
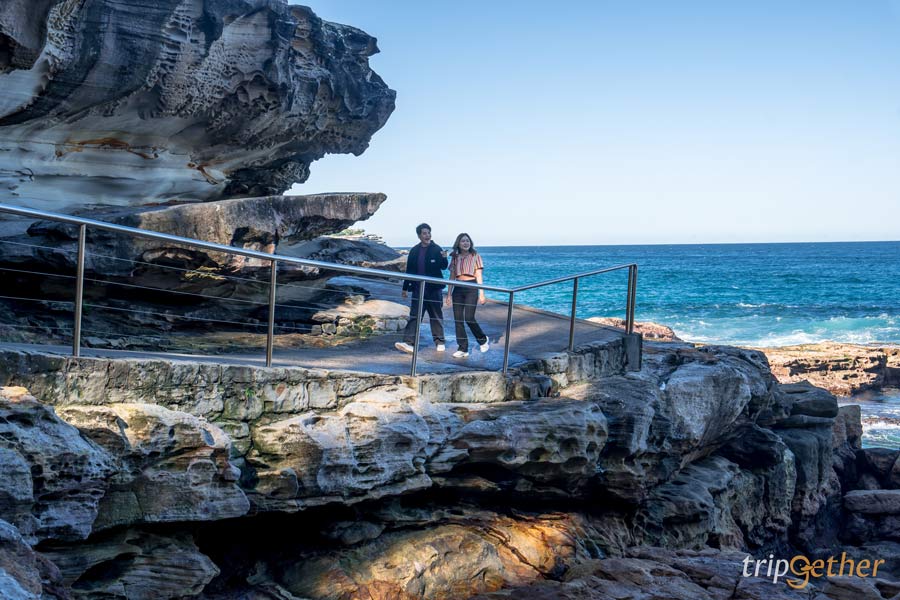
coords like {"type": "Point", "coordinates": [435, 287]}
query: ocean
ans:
{"type": "Point", "coordinates": [740, 294]}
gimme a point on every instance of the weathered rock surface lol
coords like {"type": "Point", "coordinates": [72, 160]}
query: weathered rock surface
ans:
{"type": "Point", "coordinates": [395, 490]}
{"type": "Point", "coordinates": [658, 574]}
{"type": "Point", "coordinates": [360, 317]}
{"type": "Point", "coordinates": [807, 430]}
{"type": "Point", "coordinates": [53, 478]}
{"type": "Point", "coordinates": [385, 443]}
{"type": "Point", "coordinates": [453, 560]}
{"type": "Point", "coordinates": [177, 99]}
{"type": "Point", "coordinates": [172, 466]}
{"type": "Point", "coordinates": [20, 578]}
{"type": "Point", "coordinates": [683, 405]}
{"type": "Point", "coordinates": [842, 369]}
{"type": "Point", "coordinates": [134, 565]}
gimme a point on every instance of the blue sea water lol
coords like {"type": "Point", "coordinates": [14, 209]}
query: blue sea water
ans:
{"type": "Point", "coordinates": [741, 294]}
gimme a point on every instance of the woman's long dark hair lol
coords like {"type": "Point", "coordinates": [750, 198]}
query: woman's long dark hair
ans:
{"type": "Point", "coordinates": [456, 244]}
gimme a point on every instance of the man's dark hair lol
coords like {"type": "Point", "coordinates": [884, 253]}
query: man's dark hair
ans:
{"type": "Point", "coordinates": [422, 226]}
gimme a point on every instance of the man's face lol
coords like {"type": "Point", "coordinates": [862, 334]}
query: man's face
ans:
{"type": "Point", "coordinates": [425, 236]}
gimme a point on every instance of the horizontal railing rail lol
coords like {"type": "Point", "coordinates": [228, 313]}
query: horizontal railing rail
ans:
{"type": "Point", "coordinates": [274, 259]}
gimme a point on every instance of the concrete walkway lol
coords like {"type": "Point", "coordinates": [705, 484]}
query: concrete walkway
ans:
{"type": "Point", "coordinates": [533, 333]}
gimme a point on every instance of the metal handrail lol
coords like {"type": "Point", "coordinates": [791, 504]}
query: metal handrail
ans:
{"type": "Point", "coordinates": [531, 286]}
{"type": "Point", "coordinates": [274, 259]}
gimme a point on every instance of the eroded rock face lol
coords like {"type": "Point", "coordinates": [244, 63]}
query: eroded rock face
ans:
{"type": "Point", "coordinates": [387, 443]}
{"type": "Point", "coordinates": [807, 429]}
{"type": "Point", "coordinates": [172, 466]}
{"type": "Point", "coordinates": [454, 560]}
{"type": "Point", "coordinates": [53, 477]}
{"type": "Point", "coordinates": [683, 405]}
{"type": "Point", "coordinates": [190, 99]}
{"type": "Point", "coordinates": [134, 565]}
{"type": "Point", "coordinates": [656, 574]}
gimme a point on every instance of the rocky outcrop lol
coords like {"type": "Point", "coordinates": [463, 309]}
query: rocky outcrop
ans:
{"type": "Point", "coordinates": [450, 486]}
{"type": "Point", "coordinates": [842, 369]}
{"type": "Point", "coordinates": [649, 330]}
{"type": "Point", "coordinates": [683, 405]}
{"type": "Point", "coordinates": [201, 100]}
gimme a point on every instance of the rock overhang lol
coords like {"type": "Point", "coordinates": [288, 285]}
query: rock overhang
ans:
{"type": "Point", "coordinates": [190, 100]}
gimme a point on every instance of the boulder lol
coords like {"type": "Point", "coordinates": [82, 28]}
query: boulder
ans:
{"type": "Point", "coordinates": [874, 515]}
{"type": "Point", "coordinates": [873, 502]}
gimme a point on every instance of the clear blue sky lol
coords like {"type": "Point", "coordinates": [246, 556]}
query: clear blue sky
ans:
{"type": "Point", "coordinates": [631, 121]}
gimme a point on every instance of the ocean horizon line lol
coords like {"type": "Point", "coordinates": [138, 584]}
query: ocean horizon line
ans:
{"type": "Point", "coordinates": [661, 244]}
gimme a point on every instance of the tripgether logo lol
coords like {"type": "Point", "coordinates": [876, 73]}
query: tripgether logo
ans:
{"type": "Point", "coordinates": [803, 568]}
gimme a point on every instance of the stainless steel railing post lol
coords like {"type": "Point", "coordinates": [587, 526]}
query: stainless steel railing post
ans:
{"type": "Point", "coordinates": [415, 357]}
{"type": "Point", "coordinates": [509, 313]}
{"type": "Point", "coordinates": [632, 294]}
{"type": "Point", "coordinates": [79, 291]}
{"type": "Point", "coordinates": [270, 337]}
{"type": "Point", "coordinates": [572, 320]}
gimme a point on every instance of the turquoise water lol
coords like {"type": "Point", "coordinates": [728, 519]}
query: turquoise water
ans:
{"type": "Point", "coordinates": [741, 294]}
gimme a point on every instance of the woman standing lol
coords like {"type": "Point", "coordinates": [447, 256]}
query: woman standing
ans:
{"type": "Point", "coordinates": [466, 265]}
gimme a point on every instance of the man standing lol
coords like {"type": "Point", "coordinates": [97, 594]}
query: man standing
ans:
{"type": "Point", "coordinates": [425, 258]}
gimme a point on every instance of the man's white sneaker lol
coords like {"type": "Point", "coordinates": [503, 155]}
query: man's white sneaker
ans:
{"type": "Point", "coordinates": [440, 348]}
{"type": "Point", "coordinates": [404, 347]}
{"type": "Point", "coordinates": [460, 354]}
{"type": "Point", "coordinates": [485, 347]}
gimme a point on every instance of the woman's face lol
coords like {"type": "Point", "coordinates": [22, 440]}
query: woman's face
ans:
{"type": "Point", "coordinates": [465, 243]}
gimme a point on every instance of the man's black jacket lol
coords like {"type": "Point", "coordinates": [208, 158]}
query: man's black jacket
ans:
{"type": "Point", "coordinates": [434, 264]}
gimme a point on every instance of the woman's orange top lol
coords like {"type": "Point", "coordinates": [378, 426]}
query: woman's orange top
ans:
{"type": "Point", "coordinates": [465, 266]}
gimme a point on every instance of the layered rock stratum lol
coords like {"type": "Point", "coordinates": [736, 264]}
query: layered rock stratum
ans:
{"type": "Point", "coordinates": [117, 103]}
{"type": "Point", "coordinates": [843, 369]}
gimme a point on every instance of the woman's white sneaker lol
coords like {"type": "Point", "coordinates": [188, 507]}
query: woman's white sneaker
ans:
{"type": "Point", "coordinates": [485, 347]}
{"type": "Point", "coordinates": [460, 354]}
{"type": "Point", "coordinates": [404, 347]}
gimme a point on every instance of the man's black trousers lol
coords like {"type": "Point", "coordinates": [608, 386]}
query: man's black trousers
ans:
{"type": "Point", "coordinates": [433, 300]}
{"type": "Point", "coordinates": [464, 303]}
